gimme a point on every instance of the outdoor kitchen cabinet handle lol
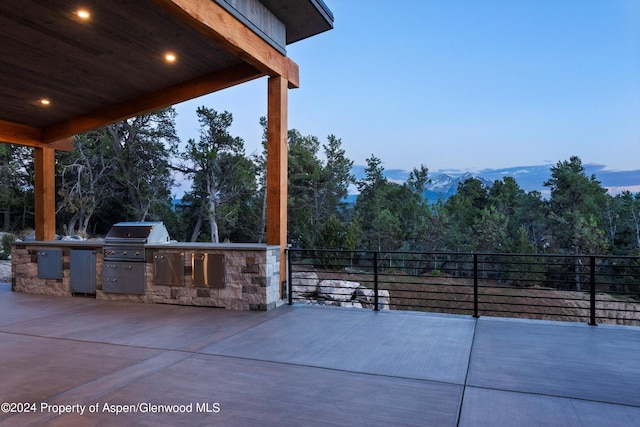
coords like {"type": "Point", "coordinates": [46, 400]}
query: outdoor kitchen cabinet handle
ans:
{"type": "Point", "coordinates": [159, 256]}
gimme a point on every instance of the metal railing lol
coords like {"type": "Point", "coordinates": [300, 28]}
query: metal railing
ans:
{"type": "Point", "coordinates": [591, 288]}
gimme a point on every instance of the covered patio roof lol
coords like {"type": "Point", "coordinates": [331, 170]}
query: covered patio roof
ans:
{"type": "Point", "coordinates": [112, 64]}
{"type": "Point", "coordinates": [68, 67]}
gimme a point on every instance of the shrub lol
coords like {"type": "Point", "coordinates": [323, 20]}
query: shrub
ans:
{"type": "Point", "coordinates": [7, 240]}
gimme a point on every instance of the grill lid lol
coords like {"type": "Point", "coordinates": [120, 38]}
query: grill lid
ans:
{"type": "Point", "coordinates": [138, 232]}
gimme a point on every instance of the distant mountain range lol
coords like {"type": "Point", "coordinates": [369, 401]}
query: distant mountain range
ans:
{"type": "Point", "coordinates": [529, 178]}
{"type": "Point", "coordinates": [444, 185]}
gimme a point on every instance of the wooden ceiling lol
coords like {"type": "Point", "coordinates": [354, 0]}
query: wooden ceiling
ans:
{"type": "Point", "coordinates": [112, 65]}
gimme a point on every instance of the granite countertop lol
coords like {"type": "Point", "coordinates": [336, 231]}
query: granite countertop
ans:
{"type": "Point", "coordinates": [57, 243]}
{"type": "Point", "coordinates": [209, 246]}
{"type": "Point", "coordinates": [169, 245]}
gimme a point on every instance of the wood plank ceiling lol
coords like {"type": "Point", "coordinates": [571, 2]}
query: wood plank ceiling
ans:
{"type": "Point", "coordinates": [113, 65]}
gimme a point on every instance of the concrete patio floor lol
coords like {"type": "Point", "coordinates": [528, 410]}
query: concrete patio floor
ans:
{"type": "Point", "coordinates": [306, 366]}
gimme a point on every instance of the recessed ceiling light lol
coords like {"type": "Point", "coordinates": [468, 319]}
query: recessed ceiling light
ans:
{"type": "Point", "coordinates": [83, 14]}
{"type": "Point", "coordinates": [170, 57]}
{"type": "Point", "coordinates": [45, 101]}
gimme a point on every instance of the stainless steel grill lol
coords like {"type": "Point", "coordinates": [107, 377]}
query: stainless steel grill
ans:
{"type": "Point", "coordinates": [125, 241]}
{"type": "Point", "coordinates": [124, 255]}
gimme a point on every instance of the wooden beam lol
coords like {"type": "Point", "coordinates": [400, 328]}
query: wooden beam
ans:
{"type": "Point", "coordinates": [215, 22]}
{"type": "Point", "coordinates": [45, 193]}
{"type": "Point", "coordinates": [277, 179]}
{"type": "Point", "coordinates": [16, 133]}
{"type": "Point", "coordinates": [65, 144]}
{"type": "Point", "coordinates": [213, 82]}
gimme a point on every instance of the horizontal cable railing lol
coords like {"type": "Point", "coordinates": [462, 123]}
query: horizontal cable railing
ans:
{"type": "Point", "coordinates": [584, 288]}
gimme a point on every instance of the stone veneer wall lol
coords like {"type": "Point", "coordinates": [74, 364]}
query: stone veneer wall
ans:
{"type": "Point", "coordinates": [252, 276]}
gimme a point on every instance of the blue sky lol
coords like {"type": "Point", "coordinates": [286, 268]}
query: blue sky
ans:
{"type": "Point", "coordinates": [461, 84]}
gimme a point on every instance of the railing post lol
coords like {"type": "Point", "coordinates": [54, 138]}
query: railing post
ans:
{"type": "Point", "coordinates": [289, 278]}
{"type": "Point", "coordinates": [375, 281]}
{"type": "Point", "coordinates": [475, 285]}
{"type": "Point", "coordinates": [592, 290]}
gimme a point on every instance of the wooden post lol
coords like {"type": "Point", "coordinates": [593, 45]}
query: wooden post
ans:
{"type": "Point", "coordinates": [277, 153]}
{"type": "Point", "coordinates": [45, 193]}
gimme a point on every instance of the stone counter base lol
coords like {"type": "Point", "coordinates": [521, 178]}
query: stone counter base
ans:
{"type": "Point", "coordinates": [24, 270]}
{"type": "Point", "coordinates": [251, 276]}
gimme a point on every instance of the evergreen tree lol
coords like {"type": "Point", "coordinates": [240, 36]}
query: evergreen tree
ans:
{"type": "Point", "coordinates": [142, 176]}
{"type": "Point", "coordinates": [15, 181]}
{"type": "Point", "coordinates": [521, 211]}
{"type": "Point", "coordinates": [305, 187]}
{"type": "Point", "coordinates": [490, 230]}
{"type": "Point", "coordinates": [380, 228]}
{"type": "Point", "coordinates": [223, 178]}
{"type": "Point", "coordinates": [531, 216]}
{"type": "Point", "coordinates": [438, 228]}
{"type": "Point", "coordinates": [317, 189]}
{"type": "Point", "coordinates": [116, 173]}
{"type": "Point", "coordinates": [85, 181]}
{"type": "Point", "coordinates": [418, 180]}
{"type": "Point", "coordinates": [413, 210]}
{"type": "Point", "coordinates": [463, 210]}
{"type": "Point", "coordinates": [337, 177]}
{"type": "Point", "coordinates": [577, 206]}
{"type": "Point", "coordinates": [624, 229]}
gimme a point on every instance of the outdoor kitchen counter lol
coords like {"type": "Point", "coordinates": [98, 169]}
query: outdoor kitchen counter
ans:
{"type": "Point", "coordinates": [243, 276]}
{"type": "Point", "coordinates": [212, 246]}
{"type": "Point", "coordinates": [45, 267]}
{"type": "Point", "coordinates": [85, 244]}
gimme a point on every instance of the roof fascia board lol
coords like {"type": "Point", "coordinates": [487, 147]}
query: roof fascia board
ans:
{"type": "Point", "coordinates": [271, 29]}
